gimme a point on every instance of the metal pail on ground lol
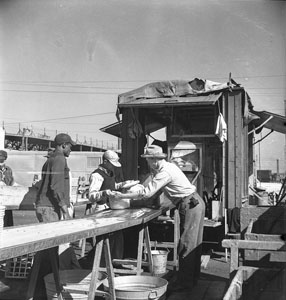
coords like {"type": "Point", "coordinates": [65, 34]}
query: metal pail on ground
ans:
{"type": "Point", "coordinates": [75, 280]}
{"type": "Point", "coordinates": [160, 258]}
{"type": "Point", "coordinates": [136, 287]}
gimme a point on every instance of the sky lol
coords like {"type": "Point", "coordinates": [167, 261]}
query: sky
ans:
{"type": "Point", "coordinates": [64, 62]}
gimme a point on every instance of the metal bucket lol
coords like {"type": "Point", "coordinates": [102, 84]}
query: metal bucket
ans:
{"type": "Point", "coordinates": [160, 258]}
{"type": "Point", "coordinates": [75, 280]}
{"type": "Point", "coordinates": [138, 287]}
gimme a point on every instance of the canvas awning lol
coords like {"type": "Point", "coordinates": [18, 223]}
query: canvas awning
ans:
{"type": "Point", "coordinates": [270, 120]}
{"type": "Point", "coordinates": [113, 129]}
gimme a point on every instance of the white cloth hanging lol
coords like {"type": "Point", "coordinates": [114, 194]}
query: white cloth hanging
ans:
{"type": "Point", "coordinates": [221, 128]}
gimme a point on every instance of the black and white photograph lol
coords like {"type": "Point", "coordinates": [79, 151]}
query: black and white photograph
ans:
{"type": "Point", "coordinates": [142, 149]}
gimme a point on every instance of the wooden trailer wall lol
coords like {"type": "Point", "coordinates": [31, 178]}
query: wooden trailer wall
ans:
{"type": "Point", "coordinates": [237, 149]}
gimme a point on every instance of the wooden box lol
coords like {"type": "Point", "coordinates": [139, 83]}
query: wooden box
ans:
{"type": "Point", "coordinates": [257, 283]}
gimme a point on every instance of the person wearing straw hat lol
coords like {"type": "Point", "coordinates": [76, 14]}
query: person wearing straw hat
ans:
{"type": "Point", "coordinates": [169, 178]}
{"type": "Point", "coordinates": [6, 178]}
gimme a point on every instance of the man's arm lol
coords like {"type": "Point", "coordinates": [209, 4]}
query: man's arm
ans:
{"type": "Point", "coordinates": [58, 180]}
{"type": "Point", "coordinates": [144, 197]}
{"type": "Point", "coordinates": [95, 195]}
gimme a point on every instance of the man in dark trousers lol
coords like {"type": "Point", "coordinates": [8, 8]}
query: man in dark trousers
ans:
{"type": "Point", "coordinates": [53, 200]}
{"type": "Point", "coordinates": [6, 178]}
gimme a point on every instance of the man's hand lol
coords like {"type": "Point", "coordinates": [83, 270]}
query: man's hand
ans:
{"type": "Point", "coordinates": [65, 213]}
{"type": "Point", "coordinates": [108, 192]}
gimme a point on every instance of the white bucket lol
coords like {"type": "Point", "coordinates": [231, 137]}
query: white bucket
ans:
{"type": "Point", "coordinates": [76, 280]}
{"type": "Point", "coordinates": [159, 261]}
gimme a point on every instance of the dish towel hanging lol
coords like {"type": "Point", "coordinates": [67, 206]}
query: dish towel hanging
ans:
{"type": "Point", "coordinates": [221, 128]}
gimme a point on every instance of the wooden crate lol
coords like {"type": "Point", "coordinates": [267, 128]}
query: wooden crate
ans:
{"type": "Point", "coordinates": [265, 230]}
{"type": "Point", "coordinates": [257, 283]}
{"type": "Point", "coordinates": [19, 267]}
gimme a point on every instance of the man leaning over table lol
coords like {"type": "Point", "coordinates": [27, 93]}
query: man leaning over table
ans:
{"type": "Point", "coordinates": [170, 179]}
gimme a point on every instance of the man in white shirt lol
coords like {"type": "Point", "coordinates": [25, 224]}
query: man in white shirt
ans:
{"type": "Point", "coordinates": [170, 179]}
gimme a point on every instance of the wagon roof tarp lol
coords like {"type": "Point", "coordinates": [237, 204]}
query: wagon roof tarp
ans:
{"type": "Point", "coordinates": [172, 101]}
{"type": "Point", "coordinates": [196, 91]}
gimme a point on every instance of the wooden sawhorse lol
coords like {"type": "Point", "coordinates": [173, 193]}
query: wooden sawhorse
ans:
{"type": "Point", "coordinates": [145, 247]}
{"type": "Point", "coordinates": [144, 238]}
{"type": "Point", "coordinates": [102, 244]}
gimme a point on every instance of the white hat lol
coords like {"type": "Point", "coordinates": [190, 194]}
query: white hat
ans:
{"type": "Point", "coordinates": [112, 157]}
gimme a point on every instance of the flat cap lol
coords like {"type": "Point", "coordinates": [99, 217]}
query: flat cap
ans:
{"type": "Point", "coordinates": [63, 138]}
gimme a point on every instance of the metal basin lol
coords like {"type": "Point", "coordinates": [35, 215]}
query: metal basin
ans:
{"type": "Point", "coordinates": [138, 287]}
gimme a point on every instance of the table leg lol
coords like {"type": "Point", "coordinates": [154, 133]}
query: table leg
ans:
{"type": "Point", "coordinates": [148, 248]}
{"type": "Point", "coordinates": [95, 268]}
{"type": "Point", "coordinates": [109, 267]}
{"type": "Point", "coordinates": [140, 250]}
{"type": "Point", "coordinates": [102, 240]}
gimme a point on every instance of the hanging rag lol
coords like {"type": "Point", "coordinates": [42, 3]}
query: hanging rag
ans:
{"type": "Point", "coordinates": [134, 127]}
{"type": "Point", "coordinates": [221, 128]}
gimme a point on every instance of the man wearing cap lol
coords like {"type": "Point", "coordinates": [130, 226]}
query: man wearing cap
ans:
{"type": "Point", "coordinates": [103, 178]}
{"type": "Point", "coordinates": [102, 181]}
{"type": "Point", "coordinates": [53, 198]}
{"type": "Point", "coordinates": [169, 178]}
{"type": "Point", "coordinates": [6, 178]}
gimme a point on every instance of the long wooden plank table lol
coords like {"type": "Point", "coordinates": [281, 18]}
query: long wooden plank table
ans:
{"type": "Point", "coordinates": [21, 240]}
